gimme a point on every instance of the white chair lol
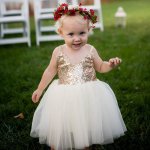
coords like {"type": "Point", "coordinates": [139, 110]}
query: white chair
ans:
{"type": "Point", "coordinates": [46, 13]}
{"type": "Point", "coordinates": [96, 6]}
{"type": "Point", "coordinates": [19, 17]}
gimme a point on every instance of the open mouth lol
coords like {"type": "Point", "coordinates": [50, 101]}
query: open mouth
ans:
{"type": "Point", "coordinates": [79, 44]}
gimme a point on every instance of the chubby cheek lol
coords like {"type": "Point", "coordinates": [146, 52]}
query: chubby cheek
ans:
{"type": "Point", "coordinates": [85, 38]}
{"type": "Point", "coordinates": [68, 41]}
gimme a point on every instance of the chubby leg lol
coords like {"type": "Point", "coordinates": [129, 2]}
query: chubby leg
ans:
{"type": "Point", "coordinates": [52, 148]}
{"type": "Point", "coordinates": [86, 148]}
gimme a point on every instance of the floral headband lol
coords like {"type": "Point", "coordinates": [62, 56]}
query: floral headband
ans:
{"type": "Point", "coordinates": [63, 9]}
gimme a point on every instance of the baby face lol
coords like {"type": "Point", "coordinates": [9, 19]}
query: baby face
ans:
{"type": "Point", "coordinates": [74, 30]}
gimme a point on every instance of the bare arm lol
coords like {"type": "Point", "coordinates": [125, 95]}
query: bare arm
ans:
{"type": "Point", "coordinates": [104, 66]}
{"type": "Point", "coordinates": [47, 77]}
{"type": "Point", "coordinates": [49, 73]}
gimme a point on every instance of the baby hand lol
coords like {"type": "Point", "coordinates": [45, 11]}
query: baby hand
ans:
{"type": "Point", "coordinates": [36, 95]}
{"type": "Point", "coordinates": [114, 62]}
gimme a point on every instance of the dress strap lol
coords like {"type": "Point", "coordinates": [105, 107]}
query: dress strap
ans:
{"type": "Point", "coordinates": [91, 50]}
{"type": "Point", "coordinates": [60, 50]}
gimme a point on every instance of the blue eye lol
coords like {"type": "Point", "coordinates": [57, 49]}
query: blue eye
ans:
{"type": "Point", "coordinates": [81, 33]}
{"type": "Point", "coordinates": [71, 34]}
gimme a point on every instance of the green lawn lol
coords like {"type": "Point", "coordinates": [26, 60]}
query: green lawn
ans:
{"type": "Point", "coordinates": [21, 69]}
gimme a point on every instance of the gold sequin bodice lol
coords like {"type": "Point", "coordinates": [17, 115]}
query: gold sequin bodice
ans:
{"type": "Point", "coordinates": [81, 72]}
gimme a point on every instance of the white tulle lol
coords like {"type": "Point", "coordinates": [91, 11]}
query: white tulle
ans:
{"type": "Point", "coordinates": [77, 116]}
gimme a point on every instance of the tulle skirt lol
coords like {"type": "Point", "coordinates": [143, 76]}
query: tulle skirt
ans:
{"type": "Point", "coordinates": [77, 116]}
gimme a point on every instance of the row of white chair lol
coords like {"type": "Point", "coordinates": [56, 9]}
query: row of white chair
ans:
{"type": "Point", "coordinates": [41, 13]}
{"type": "Point", "coordinates": [10, 16]}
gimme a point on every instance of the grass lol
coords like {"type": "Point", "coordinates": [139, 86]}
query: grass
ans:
{"type": "Point", "coordinates": [21, 69]}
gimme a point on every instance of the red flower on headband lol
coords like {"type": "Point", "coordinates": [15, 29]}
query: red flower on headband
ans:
{"type": "Point", "coordinates": [92, 12]}
{"type": "Point", "coordinates": [64, 4]}
{"type": "Point", "coordinates": [63, 10]}
{"type": "Point", "coordinates": [72, 12]}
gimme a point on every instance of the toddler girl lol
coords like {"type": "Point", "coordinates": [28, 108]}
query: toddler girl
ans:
{"type": "Point", "coordinates": [77, 110]}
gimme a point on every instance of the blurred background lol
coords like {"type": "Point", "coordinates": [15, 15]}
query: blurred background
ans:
{"type": "Point", "coordinates": [21, 68]}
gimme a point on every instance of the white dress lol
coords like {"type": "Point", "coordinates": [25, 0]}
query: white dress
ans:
{"type": "Point", "coordinates": [77, 110]}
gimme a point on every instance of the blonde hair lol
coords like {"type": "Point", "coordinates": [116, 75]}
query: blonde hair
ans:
{"type": "Point", "coordinates": [59, 22]}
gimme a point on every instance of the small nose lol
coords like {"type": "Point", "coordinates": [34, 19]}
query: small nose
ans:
{"type": "Point", "coordinates": [76, 38]}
